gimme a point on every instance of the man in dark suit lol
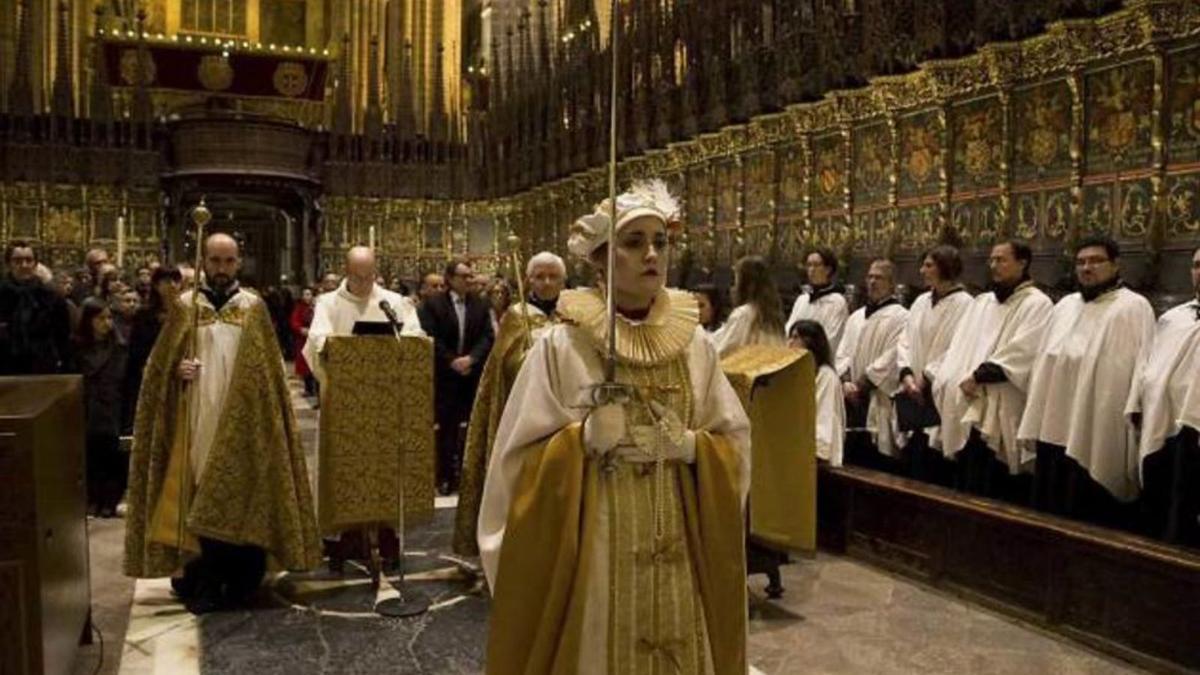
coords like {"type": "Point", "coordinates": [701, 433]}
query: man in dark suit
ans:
{"type": "Point", "coordinates": [461, 328]}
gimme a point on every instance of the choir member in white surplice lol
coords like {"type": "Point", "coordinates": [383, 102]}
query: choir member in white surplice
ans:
{"type": "Point", "coordinates": [1086, 454]}
{"type": "Point", "coordinates": [355, 299]}
{"type": "Point", "coordinates": [824, 299]}
{"type": "Point", "coordinates": [866, 364]}
{"type": "Point", "coordinates": [831, 409]}
{"type": "Point", "coordinates": [1165, 404]}
{"type": "Point", "coordinates": [758, 318]}
{"type": "Point", "coordinates": [932, 321]}
{"type": "Point", "coordinates": [980, 385]}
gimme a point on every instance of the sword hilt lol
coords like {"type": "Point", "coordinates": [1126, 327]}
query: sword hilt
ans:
{"type": "Point", "coordinates": [607, 393]}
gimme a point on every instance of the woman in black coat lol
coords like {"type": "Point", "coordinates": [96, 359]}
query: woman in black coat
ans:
{"type": "Point", "coordinates": [100, 356]}
{"type": "Point", "coordinates": [146, 325]}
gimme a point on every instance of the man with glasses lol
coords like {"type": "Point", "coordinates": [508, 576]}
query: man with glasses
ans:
{"type": "Point", "coordinates": [1074, 428]}
{"type": "Point", "coordinates": [35, 324]}
{"type": "Point", "coordinates": [866, 363]}
{"type": "Point", "coordinates": [823, 299]}
{"type": "Point", "coordinates": [980, 385]}
{"type": "Point", "coordinates": [461, 328]}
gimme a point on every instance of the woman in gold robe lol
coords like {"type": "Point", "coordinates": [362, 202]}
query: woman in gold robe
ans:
{"type": "Point", "coordinates": [613, 536]}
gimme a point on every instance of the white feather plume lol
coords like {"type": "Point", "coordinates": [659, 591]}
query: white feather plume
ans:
{"type": "Point", "coordinates": [656, 192]}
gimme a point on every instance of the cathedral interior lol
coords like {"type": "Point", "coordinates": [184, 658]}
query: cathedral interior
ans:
{"type": "Point", "coordinates": [433, 129]}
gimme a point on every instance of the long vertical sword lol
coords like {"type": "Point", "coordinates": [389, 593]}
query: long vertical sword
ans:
{"type": "Point", "coordinates": [610, 363]}
{"type": "Point", "coordinates": [609, 391]}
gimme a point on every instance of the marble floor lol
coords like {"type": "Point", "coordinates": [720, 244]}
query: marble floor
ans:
{"type": "Point", "coordinates": [836, 616]}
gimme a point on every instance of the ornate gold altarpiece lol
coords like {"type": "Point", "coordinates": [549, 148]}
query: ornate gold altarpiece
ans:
{"type": "Point", "coordinates": [376, 432]}
{"type": "Point", "coordinates": [777, 386]}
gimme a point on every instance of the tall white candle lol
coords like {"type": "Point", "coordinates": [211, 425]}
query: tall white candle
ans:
{"type": "Point", "coordinates": [371, 234]}
{"type": "Point", "coordinates": [120, 241]}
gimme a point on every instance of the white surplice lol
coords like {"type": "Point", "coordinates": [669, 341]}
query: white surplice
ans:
{"type": "Point", "coordinates": [831, 416]}
{"type": "Point", "coordinates": [1080, 385]}
{"type": "Point", "coordinates": [740, 331]}
{"type": "Point", "coordinates": [830, 310]}
{"type": "Point", "coordinates": [927, 336]}
{"type": "Point", "coordinates": [1004, 333]}
{"type": "Point", "coordinates": [930, 330]}
{"type": "Point", "coordinates": [868, 350]}
{"type": "Point", "coordinates": [1168, 380]}
{"type": "Point", "coordinates": [217, 344]}
{"type": "Point", "coordinates": [336, 313]}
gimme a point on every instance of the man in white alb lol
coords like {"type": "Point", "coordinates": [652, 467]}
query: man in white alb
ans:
{"type": "Point", "coordinates": [866, 363]}
{"type": "Point", "coordinates": [1074, 424]}
{"type": "Point", "coordinates": [355, 299]}
{"type": "Point", "coordinates": [1165, 405]}
{"type": "Point", "coordinates": [979, 387]}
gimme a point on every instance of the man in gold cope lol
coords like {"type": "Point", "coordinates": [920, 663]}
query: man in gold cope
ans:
{"type": "Point", "coordinates": [217, 484]}
{"type": "Point", "coordinates": [519, 327]}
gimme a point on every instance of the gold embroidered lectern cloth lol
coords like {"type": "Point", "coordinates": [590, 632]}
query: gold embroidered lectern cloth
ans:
{"type": "Point", "coordinates": [376, 432]}
{"type": "Point", "coordinates": [777, 386]}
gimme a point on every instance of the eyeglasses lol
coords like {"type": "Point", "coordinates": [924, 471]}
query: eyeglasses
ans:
{"type": "Point", "coordinates": [1094, 261]}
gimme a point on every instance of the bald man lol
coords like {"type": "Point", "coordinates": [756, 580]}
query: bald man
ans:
{"type": "Point", "coordinates": [355, 299]}
{"type": "Point", "coordinates": [236, 471]}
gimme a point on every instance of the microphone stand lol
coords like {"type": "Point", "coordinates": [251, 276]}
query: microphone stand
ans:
{"type": "Point", "coordinates": [394, 600]}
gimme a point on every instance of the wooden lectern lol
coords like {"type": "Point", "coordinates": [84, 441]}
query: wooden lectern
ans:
{"type": "Point", "coordinates": [44, 588]}
{"type": "Point", "coordinates": [777, 387]}
{"type": "Point", "coordinates": [376, 435]}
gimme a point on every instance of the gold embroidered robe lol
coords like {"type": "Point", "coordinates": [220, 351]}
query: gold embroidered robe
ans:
{"type": "Point", "coordinates": [247, 478]}
{"type": "Point", "coordinates": [499, 373]}
{"type": "Point", "coordinates": [633, 569]}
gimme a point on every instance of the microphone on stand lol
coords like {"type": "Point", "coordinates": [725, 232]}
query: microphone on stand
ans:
{"type": "Point", "coordinates": [393, 600]}
{"type": "Point", "coordinates": [391, 315]}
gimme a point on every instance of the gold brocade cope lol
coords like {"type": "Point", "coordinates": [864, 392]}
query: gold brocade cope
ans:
{"type": "Point", "coordinates": [376, 435]}
{"type": "Point", "coordinates": [777, 386]}
{"type": "Point", "coordinates": [499, 373]}
{"type": "Point", "coordinates": [165, 520]}
{"type": "Point", "coordinates": [254, 489]}
{"type": "Point", "coordinates": [539, 606]}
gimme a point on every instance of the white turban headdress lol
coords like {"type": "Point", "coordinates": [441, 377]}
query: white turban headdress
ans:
{"type": "Point", "coordinates": [644, 198]}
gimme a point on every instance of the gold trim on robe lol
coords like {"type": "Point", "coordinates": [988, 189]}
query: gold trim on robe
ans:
{"type": "Point", "coordinates": [777, 386]}
{"type": "Point", "coordinates": [551, 527]}
{"type": "Point", "coordinates": [254, 489]}
{"type": "Point", "coordinates": [666, 331]}
{"type": "Point", "coordinates": [608, 565]}
{"type": "Point", "coordinates": [499, 373]}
